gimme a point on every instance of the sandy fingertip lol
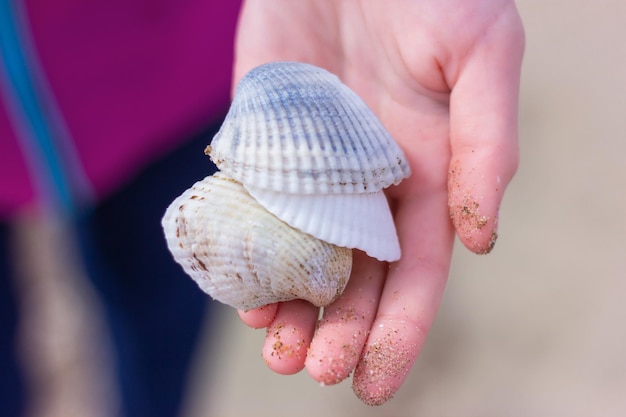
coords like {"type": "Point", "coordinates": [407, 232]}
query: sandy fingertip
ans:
{"type": "Point", "coordinates": [385, 363]}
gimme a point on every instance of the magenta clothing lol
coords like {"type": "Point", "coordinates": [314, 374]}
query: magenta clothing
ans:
{"type": "Point", "coordinates": [128, 80]}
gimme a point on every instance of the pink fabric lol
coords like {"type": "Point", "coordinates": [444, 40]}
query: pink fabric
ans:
{"type": "Point", "coordinates": [131, 78]}
{"type": "Point", "coordinates": [15, 186]}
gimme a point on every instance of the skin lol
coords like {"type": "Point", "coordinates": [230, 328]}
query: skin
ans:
{"type": "Point", "coordinates": [443, 77]}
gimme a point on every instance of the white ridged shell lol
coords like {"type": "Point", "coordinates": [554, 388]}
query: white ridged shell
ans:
{"type": "Point", "coordinates": [361, 221]}
{"type": "Point", "coordinates": [244, 256]}
{"type": "Point", "coordinates": [296, 128]}
{"type": "Point", "coordinates": [296, 136]}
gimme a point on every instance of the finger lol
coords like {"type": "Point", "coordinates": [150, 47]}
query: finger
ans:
{"type": "Point", "coordinates": [289, 336]}
{"type": "Point", "coordinates": [483, 133]}
{"type": "Point", "coordinates": [259, 317]}
{"type": "Point", "coordinates": [264, 34]}
{"type": "Point", "coordinates": [341, 334]}
{"type": "Point", "coordinates": [411, 296]}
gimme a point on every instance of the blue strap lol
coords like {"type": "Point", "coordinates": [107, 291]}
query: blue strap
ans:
{"type": "Point", "coordinates": [34, 126]}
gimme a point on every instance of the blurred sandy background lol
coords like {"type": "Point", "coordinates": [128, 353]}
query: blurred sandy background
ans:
{"type": "Point", "coordinates": [534, 329]}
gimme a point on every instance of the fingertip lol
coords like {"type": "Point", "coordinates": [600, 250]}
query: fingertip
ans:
{"type": "Point", "coordinates": [387, 359]}
{"type": "Point", "coordinates": [259, 317]}
{"type": "Point", "coordinates": [333, 356]}
{"type": "Point", "coordinates": [284, 350]}
{"type": "Point", "coordinates": [476, 226]}
{"type": "Point", "coordinates": [475, 191]}
{"type": "Point", "coordinates": [289, 336]}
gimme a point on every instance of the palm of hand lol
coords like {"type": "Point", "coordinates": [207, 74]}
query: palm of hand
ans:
{"type": "Point", "coordinates": [443, 79]}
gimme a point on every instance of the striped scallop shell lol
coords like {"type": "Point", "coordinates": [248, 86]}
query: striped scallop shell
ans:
{"type": "Point", "coordinates": [295, 128]}
{"type": "Point", "coordinates": [244, 256]}
{"type": "Point", "coordinates": [311, 152]}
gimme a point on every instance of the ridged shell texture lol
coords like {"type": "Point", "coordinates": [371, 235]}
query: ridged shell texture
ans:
{"type": "Point", "coordinates": [303, 164]}
{"type": "Point", "coordinates": [295, 130]}
{"type": "Point", "coordinates": [246, 257]}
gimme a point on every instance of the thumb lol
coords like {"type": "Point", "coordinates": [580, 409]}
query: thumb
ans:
{"type": "Point", "coordinates": [483, 133]}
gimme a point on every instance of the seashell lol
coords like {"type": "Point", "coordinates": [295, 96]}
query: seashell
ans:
{"type": "Point", "coordinates": [303, 164]}
{"type": "Point", "coordinates": [295, 129]}
{"type": "Point", "coordinates": [360, 221]}
{"type": "Point", "coordinates": [246, 257]}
